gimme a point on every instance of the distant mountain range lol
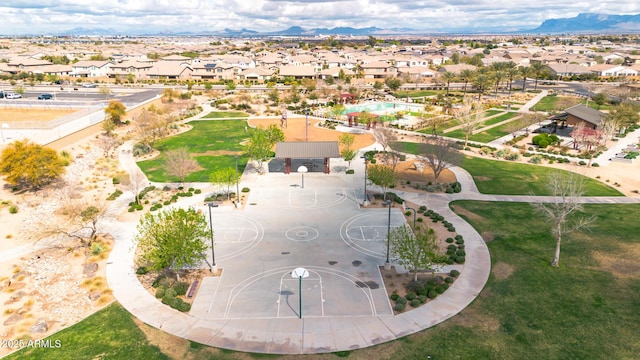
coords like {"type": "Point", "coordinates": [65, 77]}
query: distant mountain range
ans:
{"type": "Point", "coordinates": [583, 23]}
{"type": "Point", "coordinates": [591, 23]}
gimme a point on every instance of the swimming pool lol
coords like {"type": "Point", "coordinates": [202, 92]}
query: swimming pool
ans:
{"type": "Point", "coordinates": [381, 107]}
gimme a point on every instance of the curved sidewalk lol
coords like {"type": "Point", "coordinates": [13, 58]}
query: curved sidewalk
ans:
{"type": "Point", "coordinates": [292, 335]}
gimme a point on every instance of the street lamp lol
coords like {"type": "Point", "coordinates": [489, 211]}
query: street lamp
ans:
{"type": "Point", "coordinates": [387, 264]}
{"type": "Point", "coordinates": [213, 255]}
{"type": "Point", "coordinates": [300, 273]}
{"type": "Point", "coordinates": [237, 184]}
{"type": "Point", "coordinates": [306, 125]}
{"type": "Point", "coordinates": [404, 205]}
{"type": "Point", "coordinates": [365, 202]}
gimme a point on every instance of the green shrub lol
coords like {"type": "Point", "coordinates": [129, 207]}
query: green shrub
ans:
{"type": "Point", "coordinates": [422, 208]}
{"type": "Point", "coordinates": [415, 302]}
{"type": "Point", "coordinates": [595, 165]}
{"type": "Point", "coordinates": [401, 300]}
{"type": "Point", "coordinates": [170, 292]}
{"type": "Point", "coordinates": [452, 248]}
{"type": "Point", "coordinates": [451, 228]}
{"type": "Point", "coordinates": [181, 288]}
{"type": "Point", "coordinates": [160, 292]}
{"type": "Point", "coordinates": [394, 296]}
{"type": "Point", "coordinates": [461, 253]}
{"type": "Point", "coordinates": [399, 307]}
{"type": "Point", "coordinates": [167, 300]}
{"type": "Point", "coordinates": [440, 289]}
{"type": "Point", "coordinates": [350, 172]}
{"type": "Point", "coordinates": [197, 191]}
{"type": "Point", "coordinates": [419, 219]}
{"type": "Point", "coordinates": [411, 296]}
{"type": "Point", "coordinates": [115, 180]}
{"type": "Point", "coordinates": [460, 259]}
{"type": "Point", "coordinates": [449, 280]}
{"type": "Point", "coordinates": [450, 240]}
{"type": "Point", "coordinates": [422, 298]}
{"type": "Point", "coordinates": [432, 294]}
{"type": "Point", "coordinates": [454, 273]}
{"type": "Point", "coordinates": [245, 190]}
{"type": "Point", "coordinates": [13, 209]}
{"type": "Point", "coordinates": [142, 270]}
{"type": "Point", "coordinates": [459, 241]}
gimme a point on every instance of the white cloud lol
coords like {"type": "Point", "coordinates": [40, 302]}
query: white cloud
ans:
{"type": "Point", "coordinates": [52, 16]}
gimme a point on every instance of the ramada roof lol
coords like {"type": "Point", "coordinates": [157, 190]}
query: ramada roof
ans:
{"type": "Point", "coordinates": [307, 150]}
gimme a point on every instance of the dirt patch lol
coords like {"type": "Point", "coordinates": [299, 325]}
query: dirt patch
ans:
{"type": "Point", "coordinates": [466, 213]}
{"type": "Point", "coordinates": [473, 319]}
{"type": "Point", "coordinates": [488, 236]}
{"type": "Point", "coordinates": [14, 116]}
{"type": "Point", "coordinates": [297, 131]}
{"type": "Point", "coordinates": [57, 286]}
{"type": "Point", "coordinates": [407, 170]}
{"type": "Point", "coordinates": [622, 267]}
{"type": "Point", "coordinates": [502, 270]}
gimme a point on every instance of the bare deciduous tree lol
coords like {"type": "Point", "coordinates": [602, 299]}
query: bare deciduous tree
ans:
{"type": "Point", "coordinates": [179, 163]}
{"type": "Point", "coordinates": [439, 154]}
{"type": "Point", "coordinates": [384, 136]}
{"type": "Point", "coordinates": [107, 143]}
{"type": "Point", "coordinates": [79, 219]}
{"type": "Point", "coordinates": [135, 182]}
{"type": "Point", "coordinates": [469, 117]}
{"type": "Point", "coordinates": [566, 190]}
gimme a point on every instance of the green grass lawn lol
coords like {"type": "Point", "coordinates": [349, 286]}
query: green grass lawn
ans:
{"type": "Point", "coordinates": [226, 114]}
{"type": "Point", "coordinates": [510, 178]}
{"type": "Point", "coordinates": [547, 103]}
{"type": "Point", "coordinates": [588, 308]}
{"type": "Point", "coordinates": [108, 334]}
{"type": "Point", "coordinates": [213, 144]}
{"type": "Point", "coordinates": [497, 119]}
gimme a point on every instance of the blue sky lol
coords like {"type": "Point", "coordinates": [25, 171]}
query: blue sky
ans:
{"type": "Point", "coordinates": [136, 16]}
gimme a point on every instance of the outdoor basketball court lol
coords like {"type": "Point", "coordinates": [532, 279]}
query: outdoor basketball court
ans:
{"type": "Point", "coordinates": [320, 229]}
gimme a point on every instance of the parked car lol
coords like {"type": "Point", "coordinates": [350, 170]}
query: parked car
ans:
{"type": "Point", "coordinates": [45, 97]}
{"type": "Point", "coordinates": [12, 96]}
{"type": "Point", "coordinates": [89, 85]}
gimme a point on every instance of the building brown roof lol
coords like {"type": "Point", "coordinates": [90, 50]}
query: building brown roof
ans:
{"type": "Point", "coordinates": [307, 150]}
{"type": "Point", "coordinates": [586, 113]}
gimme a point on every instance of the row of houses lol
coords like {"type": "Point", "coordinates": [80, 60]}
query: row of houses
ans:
{"type": "Point", "coordinates": [412, 63]}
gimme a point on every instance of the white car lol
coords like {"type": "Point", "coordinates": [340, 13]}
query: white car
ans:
{"type": "Point", "coordinates": [12, 96]}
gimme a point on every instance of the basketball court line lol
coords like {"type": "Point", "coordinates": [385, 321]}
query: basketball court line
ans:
{"type": "Point", "coordinates": [367, 241]}
{"type": "Point", "coordinates": [283, 273]}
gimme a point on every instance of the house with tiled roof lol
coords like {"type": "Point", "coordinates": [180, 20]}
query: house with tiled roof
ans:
{"type": "Point", "coordinates": [138, 69]}
{"type": "Point", "coordinates": [297, 72]}
{"type": "Point", "coordinates": [378, 70]}
{"type": "Point", "coordinates": [605, 70]}
{"type": "Point", "coordinates": [26, 64]}
{"type": "Point", "coordinates": [170, 70]}
{"type": "Point", "coordinates": [91, 69]}
{"type": "Point", "coordinates": [256, 75]}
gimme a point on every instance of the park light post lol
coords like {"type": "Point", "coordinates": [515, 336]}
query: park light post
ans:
{"type": "Point", "coordinates": [404, 205]}
{"type": "Point", "coordinates": [237, 184]}
{"type": "Point", "coordinates": [213, 255]}
{"type": "Point", "coordinates": [365, 202]}
{"type": "Point", "coordinates": [387, 264]}
{"type": "Point", "coordinates": [306, 125]}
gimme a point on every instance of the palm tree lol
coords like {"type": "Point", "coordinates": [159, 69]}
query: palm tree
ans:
{"type": "Point", "coordinates": [448, 77]}
{"type": "Point", "coordinates": [498, 73]}
{"type": "Point", "coordinates": [538, 68]}
{"type": "Point", "coordinates": [512, 73]}
{"type": "Point", "coordinates": [481, 81]}
{"type": "Point", "coordinates": [466, 76]}
{"type": "Point", "coordinates": [525, 72]}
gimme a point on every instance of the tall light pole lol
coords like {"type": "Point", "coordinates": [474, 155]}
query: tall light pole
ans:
{"type": "Point", "coordinates": [237, 184]}
{"type": "Point", "coordinates": [404, 205]}
{"type": "Point", "coordinates": [364, 201]}
{"type": "Point", "coordinates": [387, 264]}
{"type": "Point", "coordinates": [213, 255]}
{"type": "Point", "coordinates": [306, 125]}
